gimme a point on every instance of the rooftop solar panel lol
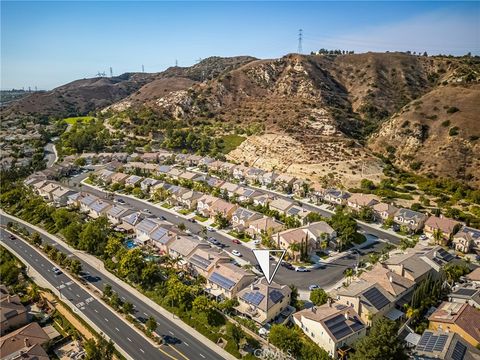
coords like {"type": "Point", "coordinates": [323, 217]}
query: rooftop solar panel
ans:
{"type": "Point", "coordinates": [459, 351]}
{"type": "Point", "coordinates": [222, 281]}
{"type": "Point", "coordinates": [424, 340]}
{"type": "Point", "coordinates": [445, 255]}
{"type": "Point", "coordinates": [465, 292]}
{"type": "Point", "coordinates": [376, 298]}
{"type": "Point", "coordinates": [254, 298]}
{"type": "Point", "coordinates": [276, 296]}
{"type": "Point", "coordinates": [200, 261]}
{"type": "Point", "coordinates": [430, 342]}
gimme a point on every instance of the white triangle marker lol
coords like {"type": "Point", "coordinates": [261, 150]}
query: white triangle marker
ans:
{"type": "Point", "coordinates": [263, 259]}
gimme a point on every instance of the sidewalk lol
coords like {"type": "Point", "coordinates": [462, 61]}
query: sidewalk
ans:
{"type": "Point", "coordinates": [98, 264]}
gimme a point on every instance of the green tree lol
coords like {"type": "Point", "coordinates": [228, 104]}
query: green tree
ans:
{"type": "Point", "coordinates": [151, 324]}
{"type": "Point", "coordinates": [107, 290]}
{"type": "Point", "coordinates": [286, 339]}
{"type": "Point", "coordinates": [381, 343]}
{"type": "Point", "coordinates": [75, 266]}
{"type": "Point", "coordinates": [131, 264]}
{"type": "Point", "coordinates": [221, 220]}
{"type": "Point", "coordinates": [127, 307]}
{"type": "Point", "coordinates": [318, 297]}
{"type": "Point", "coordinates": [36, 239]}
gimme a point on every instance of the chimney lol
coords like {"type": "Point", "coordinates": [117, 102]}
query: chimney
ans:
{"type": "Point", "coordinates": [252, 287]}
{"type": "Point", "coordinates": [402, 270]}
{"type": "Point", "coordinates": [314, 309]}
{"type": "Point", "coordinates": [346, 315]}
{"type": "Point", "coordinates": [390, 278]}
{"type": "Point", "coordinates": [329, 302]}
{"type": "Point", "coordinates": [8, 298]}
{"type": "Point", "coordinates": [26, 342]}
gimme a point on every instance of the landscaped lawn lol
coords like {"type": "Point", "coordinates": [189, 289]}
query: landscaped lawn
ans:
{"type": "Point", "coordinates": [74, 120]}
{"type": "Point", "coordinates": [200, 218]}
{"type": "Point", "coordinates": [240, 237]}
{"type": "Point", "coordinates": [231, 142]}
{"type": "Point", "coordinates": [166, 206]}
{"type": "Point", "coordinates": [184, 211]}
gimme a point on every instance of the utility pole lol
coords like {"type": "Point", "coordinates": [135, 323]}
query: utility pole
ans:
{"type": "Point", "coordinates": [176, 63]}
{"type": "Point", "coordinates": [143, 69]}
{"type": "Point", "coordinates": [111, 72]}
{"type": "Point", "coordinates": [300, 35]}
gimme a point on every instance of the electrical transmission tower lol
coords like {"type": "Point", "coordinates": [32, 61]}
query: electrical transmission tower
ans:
{"type": "Point", "coordinates": [111, 72]}
{"type": "Point", "coordinates": [300, 35]}
{"type": "Point", "coordinates": [176, 63]}
{"type": "Point", "coordinates": [100, 74]}
{"type": "Point", "coordinates": [143, 69]}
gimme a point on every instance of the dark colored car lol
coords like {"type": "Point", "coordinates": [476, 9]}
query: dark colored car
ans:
{"type": "Point", "coordinates": [167, 339]}
{"type": "Point", "coordinates": [287, 265]}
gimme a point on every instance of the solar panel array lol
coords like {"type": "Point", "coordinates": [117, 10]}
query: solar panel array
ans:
{"type": "Point", "coordinates": [222, 281]}
{"type": "Point", "coordinates": [254, 297]}
{"type": "Point", "coordinates": [339, 328]}
{"type": "Point", "coordinates": [276, 296]}
{"type": "Point", "coordinates": [376, 298]}
{"type": "Point", "coordinates": [445, 255]}
{"type": "Point", "coordinates": [466, 292]}
{"type": "Point", "coordinates": [200, 261]}
{"type": "Point", "coordinates": [459, 351]}
{"type": "Point", "coordinates": [430, 342]}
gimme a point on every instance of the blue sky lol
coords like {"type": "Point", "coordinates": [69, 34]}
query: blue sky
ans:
{"type": "Point", "coordinates": [46, 44]}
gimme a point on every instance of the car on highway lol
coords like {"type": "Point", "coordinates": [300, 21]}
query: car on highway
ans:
{"type": "Point", "coordinates": [163, 217]}
{"type": "Point", "coordinates": [56, 270]}
{"type": "Point", "coordinates": [313, 287]}
{"type": "Point", "coordinates": [119, 201]}
{"type": "Point", "coordinates": [171, 340]}
{"type": "Point", "coordinates": [147, 211]}
{"type": "Point", "coordinates": [301, 269]}
{"type": "Point", "coordinates": [192, 220]}
{"type": "Point", "coordinates": [287, 265]}
{"type": "Point", "coordinates": [12, 237]}
{"type": "Point", "coordinates": [236, 241]}
{"type": "Point", "coordinates": [209, 228]}
{"type": "Point", "coordinates": [213, 241]}
{"type": "Point", "coordinates": [236, 253]}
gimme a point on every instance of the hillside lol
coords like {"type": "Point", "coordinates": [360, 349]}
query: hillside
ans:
{"type": "Point", "coordinates": [437, 134]}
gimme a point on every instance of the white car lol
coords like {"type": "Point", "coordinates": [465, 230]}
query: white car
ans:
{"type": "Point", "coordinates": [57, 271]}
{"type": "Point", "coordinates": [423, 237]}
{"type": "Point", "coordinates": [209, 228]}
{"type": "Point", "coordinates": [236, 253]}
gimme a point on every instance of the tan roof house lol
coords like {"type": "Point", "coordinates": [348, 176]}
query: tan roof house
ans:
{"type": "Point", "coordinates": [445, 226]}
{"type": "Point", "coordinates": [242, 218]}
{"type": "Point", "coordinates": [281, 205]}
{"type": "Point", "coordinates": [265, 225]}
{"type": "Point", "coordinates": [358, 200]}
{"type": "Point", "coordinates": [331, 326]}
{"type": "Point", "coordinates": [384, 211]}
{"type": "Point", "coordinates": [227, 279]}
{"type": "Point", "coordinates": [203, 260]}
{"type": "Point", "coordinates": [467, 239]}
{"type": "Point", "coordinates": [184, 246]}
{"type": "Point", "coordinates": [222, 207]}
{"type": "Point", "coordinates": [395, 284]}
{"type": "Point", "coordinates": [412, 220]}
{"type": "Point", "coordinates": [12, 312]}
{"type": "Point", "coordinates": [119, 178]}
{"type": "Point", "coordinates": [23, 340]}
{"type": "Point", "coordinates": [263, 302]}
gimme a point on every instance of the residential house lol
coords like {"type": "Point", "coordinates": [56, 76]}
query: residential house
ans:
{"type": "Point", "coordinates": [215, 166]}
{"type": "Point", "coordinates": [265, 225]}
{"type": "Point", "coordinates": [174, 173]}
{"type": "Point", "coordinates": [465, 294]}
{"type": "Point", "coordinates": [410, 265]}
{"type": "Point", "coordinates": [214, 182]}
{"type": "Point", "coordinates": [25, 343]}
{"type": "Point", "coordinates": [384, 211]}
{"type": "Point", "coordinates": [104, 176]}
{"type": "Point", "coordinates": [412, 220]}
{"type": "Point", "coordinates": [229, 188]}
{"type": "Point", "coordinates": [61, 194]}
{"type": "Point", "coordinates": [262, 199]}
{"type": "Point", "coordinates": [467, 239]}
{"type": "Point", "coordinates": [441, 225]}
{"type": "Point", "coordinates": [148, 183]}
{"type": "Point", "coordinates": [474, 277]}
{"type": "Point", "coordinates": [130, 221]}
{"type": "Point", "coordinates": [205, 161]}
{"type": "Point", "coordinates": [331, 326]}
{"type": "Point", "coordinates": [357, 201]}
{"type": "Point", "coordinates": [119, 178]}
{"type": "Point", "coordinates": [116, 213]}
{"type": "Point", "coordinates": [188, 175]}
{"type": "Point", "coordinates": [163, 169]}
{"type": "Point", "coordinates": [203, 260]}
{"type": "Point", "coordinates": [435, 256]}
{"type": "Point", "coordinates": [458, 318]}
{"type": "Point", "coordinates": [336, 197]}
{"type": "Point", "coordinates": [239, 172]}
{"type": "Point", "coordinates": [184, 246]}
{"type": "Point", "coordinates": [133, 180]}
{"type": "Point", "coordinates": [189, 199]}
{"type": "Point", "coordinates": [395, 284]}
{"type": "Point", "coordinates": [299, 212]}
{"type": "Point", "coordinates": [227, 279]}
{"type": "Point", "coordinates": [222, 207]}
{"type": "Point", "coordinates": [85, 201]}
{"type": "Point", "coordinates": [284, 182]}
{"type": "Point", "coordinates": [319, 231]}
{"type": "Point", "coordinates": [316, 193]}
{"type": "Point", "coordinates": [204, 204]}
{"type": "Point", "coordinates": [281, 205]}
{"type": "Point", "coordinates": [47, 190]}
{"type": "Point", "coordinates": [444, 345]}
{"type": "Point", "coordinates": [162, 237]}
{"type": "Point", "coordinates": [368, 299]}
{"type": "Point", "coordinates": [300, 187]}
{"type": "Point", "coordinates": [242, 218]}
{"type": "Point", "coordinates": [246, 194]}
{"type": "Point", "coordinates": [151, 157]}
{"type": "Point", "coordinates": [268, 178]}
{"type": "Point", "coordinates": [98, 208]}
{"type": "Point", "coordinates": [254, 175]}
{"type": "Point", "coordinates": [263, 302]}
{"type": "Point", "coordinates": [13, 313]}
{"type": "Point", "coordinates": [145, 227]}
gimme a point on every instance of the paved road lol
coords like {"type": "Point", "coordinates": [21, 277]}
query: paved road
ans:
{"type": "Point", "coordinates": [190, 346]}
{"type": "Point", "coordinates": [326, 276]}
{"type": "Point", "coordinates": [134, 344]}
{"type": "Point", "coordinates": [50, 154]}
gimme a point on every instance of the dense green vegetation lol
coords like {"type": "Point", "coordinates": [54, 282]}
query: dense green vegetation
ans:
{"type": "Point", "coordinates": [89, 136]}
{"type": "Point", "coordinates": [74, 120]}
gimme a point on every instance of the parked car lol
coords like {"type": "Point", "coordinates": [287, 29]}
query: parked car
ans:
{"type": "Point", "coordinates": [313, 287]}
{"type": "Point", "coordinates": [236, 241]}
{"type": "Point", "coordinates": [287, 265]}
{"type": "Point", "coordinates": [256, 242]}
{"type": "Point", "coordinates": [147, 211]}
{"type": "Point", "coordinates": [163, 217]}
{"type": "Point", "coordinates": [236, 253]}
{"type": "Point", "coordinates": [301, 269]}
{"type": "Point", "coordinates": [192, 220]}
{"type": "Point", "coordinates": [209, 228]}
{"type": "Point", "coordinates": [12, 237]}
{"type": "Point", "coordinates": [56, 271]}
{"type": "Point", "coordinates": [119, 201]}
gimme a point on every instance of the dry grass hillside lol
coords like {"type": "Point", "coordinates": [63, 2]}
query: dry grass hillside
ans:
{"type": "Point", "coordinates": [437, 134]}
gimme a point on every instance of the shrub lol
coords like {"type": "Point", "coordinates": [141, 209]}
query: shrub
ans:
{"type": "Point", "coordinates": [452, 110]}
{"type": "Point", "coordinates": [446, 123]}
{"type": "Point", "coordinates": [453, 131]}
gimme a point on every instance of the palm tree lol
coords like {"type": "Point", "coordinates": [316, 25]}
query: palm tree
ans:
{"type": "Point", "coordinates": [348, 274]}
{"type": "Point", "coordinates": [295, 247]}
{"type": "Point", "coordinates": [438, 236]}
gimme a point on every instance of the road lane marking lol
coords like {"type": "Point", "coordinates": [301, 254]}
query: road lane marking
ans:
{"type": "Point", "coordinates": [77, 295]}
{"type": "Point", "coordinates": [95, 310]}
{"type": "Point", "coordinates": [170, 356]}
{"type": "Point", "coordinates": [202, 356]}
{"type": "Point", "coordinates": [117, 329]}
{"type": "Point", "coordinates": [171, 333]}
{"type": "Point", "coordinates": [145, 314]}
{"type": "Point", "coordinates": [179, 352]}
{"type": "Point", "coordinates": [142, 351]}
{"type": "Point", "coordinates": [186, 343]}
{"type": "Point", "coordinates": [129, 339]}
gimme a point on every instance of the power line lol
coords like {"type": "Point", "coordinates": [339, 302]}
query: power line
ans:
{"type": "Point", "coordinates": [300, 50]}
